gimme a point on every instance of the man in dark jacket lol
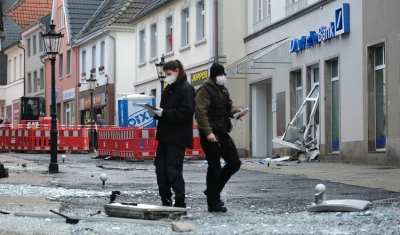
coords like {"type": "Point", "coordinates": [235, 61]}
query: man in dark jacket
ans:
{"type": "Point", "coordinates": [213, 110]}
{"type": "Point", "coordinates": [174, 133]}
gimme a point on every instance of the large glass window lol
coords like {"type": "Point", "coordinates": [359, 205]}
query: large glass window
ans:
{"type": "Point", "coordinates": [380, 97]}
{"type": "Point", "coordinates": [335, 106]}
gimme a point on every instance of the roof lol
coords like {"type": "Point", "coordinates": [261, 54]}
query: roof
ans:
{"type": "Point", "coordinates": [79, 12]}
{"type": "Point", "coordinates": [112, 13]}
{"type": "Point", "coordinates": [26, 12]}
{"type": "Point", "coordinates": [151, 6]}
{"type": "Point", "coordinates": [12, 32]}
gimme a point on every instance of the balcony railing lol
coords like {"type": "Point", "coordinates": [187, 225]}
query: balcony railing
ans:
{"type": "Point", "coordinates": [262, 24]}
{"type": "Point", "coordinates": [295, 7]}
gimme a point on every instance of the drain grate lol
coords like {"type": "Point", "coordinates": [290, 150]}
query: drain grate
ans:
{"type": "Point", "coordinates": [388, 200]}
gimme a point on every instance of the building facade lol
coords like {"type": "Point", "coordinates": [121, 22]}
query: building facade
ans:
{"type": "Point", "coordinates": [187, 31]}
{"type": "Point", "coordinates": [32, 40]}
{"type": "Point", "coordinates": [351, 63]}
{"type": "Point", "coordinates": [105, 43]}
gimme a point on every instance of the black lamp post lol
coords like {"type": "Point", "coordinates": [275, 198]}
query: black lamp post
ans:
{"type": "Point", "coordinates": [161, 73]}
{"type": "Point", "coordinates": [52, 41]}
{"type": "Point", "coordinates": [91, 86]}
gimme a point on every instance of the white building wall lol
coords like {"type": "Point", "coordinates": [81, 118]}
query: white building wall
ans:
{"type": "Point", "coordinates": [108, 63]}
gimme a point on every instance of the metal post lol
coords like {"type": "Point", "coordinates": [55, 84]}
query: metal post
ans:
{"type": "Point", "coordinates": [162, 86]}
{"type": "Point", "coordinates": [91, 128]}
{"type": "Point", "coordinates": [53, 167]}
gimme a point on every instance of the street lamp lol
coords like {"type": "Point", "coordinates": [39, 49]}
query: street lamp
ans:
{"type": "Point", "coordinates": [52, 43]}
{"type": "Point", "coordinates": [91, 86]}
{"type": "Point", "coordinates": [161, 73]}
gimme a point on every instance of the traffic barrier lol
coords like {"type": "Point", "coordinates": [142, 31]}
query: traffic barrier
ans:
{"type": "Point", "coordinates": [74, 140]}
{"type": "Point", "coordinates": [197, 150]}
{"type": "Point", "coordinates": [145, 143]}
{"type": "Point", "coordinates": [127, 143]}
{"type": "Point", "coordinates": [108, 142]}
{"type": "Point", "coordinates": [20, 140]}
{"type": "Point", "coordinates": [40, 140]}
{"type": "Point", "coordinates": [4, 136]}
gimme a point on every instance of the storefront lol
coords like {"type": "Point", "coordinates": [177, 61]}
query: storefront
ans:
{"type": "Point", "coordinates": [357, 117]}
{"type": "Point", "coordinates": [99, 106]}
{"type": "Point", "coordinates": [69, 107]}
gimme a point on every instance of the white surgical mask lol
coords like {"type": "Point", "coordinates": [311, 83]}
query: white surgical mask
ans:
{"type": "Point", "coordinates": [221, 80]}
{"type": "Point", "coordinates": [170, 79]}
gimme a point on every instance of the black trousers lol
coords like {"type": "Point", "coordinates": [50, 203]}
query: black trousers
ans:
{"type": "Point", "coordinates": [217, 177]}
{"type": "Point", "coordinates": [169, 167]}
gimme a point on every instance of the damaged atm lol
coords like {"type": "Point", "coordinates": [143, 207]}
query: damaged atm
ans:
{"type": "Point", "coordinates": [303, 139]}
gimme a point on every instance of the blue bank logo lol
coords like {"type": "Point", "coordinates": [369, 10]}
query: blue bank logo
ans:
{"type": "Point", "coordinates": [339, 27]}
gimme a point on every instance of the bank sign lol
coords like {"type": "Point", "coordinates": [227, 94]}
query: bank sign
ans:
{"type": "Point", "coordinates": [340, 26]}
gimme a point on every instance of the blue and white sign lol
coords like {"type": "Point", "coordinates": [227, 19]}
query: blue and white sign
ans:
{"type": "Point", "coordinates": [130, 114]}
{"type": "Point", "coordinates": [340, 26]}
{"type": "Point", "coordinates": [69, 94]}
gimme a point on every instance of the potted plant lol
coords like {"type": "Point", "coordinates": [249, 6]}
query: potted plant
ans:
{"type": "Point", "coordinates": [101, 68]}
{"type": "Point", "coordinates": [93, 70]}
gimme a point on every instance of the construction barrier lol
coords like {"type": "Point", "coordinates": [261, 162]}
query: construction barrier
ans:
{"type": "Point", "coordinates": [138, 143]}
{"type": "Point", "coordinates": [22, 139]}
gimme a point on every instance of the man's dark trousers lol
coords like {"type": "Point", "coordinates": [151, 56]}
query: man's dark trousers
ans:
{"type": "Point", "coordinates": [217, 178]}
{"type": "Point", "coordinates": [169, 167]}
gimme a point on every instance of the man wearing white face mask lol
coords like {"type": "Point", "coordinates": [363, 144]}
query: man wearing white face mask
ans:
{"type": "Point", "coordinates": [214, 108]}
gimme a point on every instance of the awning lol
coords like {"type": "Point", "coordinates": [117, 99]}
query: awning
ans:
{"type": "Point", "coordinates": [273, 56]}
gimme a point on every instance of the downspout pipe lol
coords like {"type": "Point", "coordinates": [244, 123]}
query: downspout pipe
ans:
{"type": "Point", "coordinates": [115, 69]}
{"type": "Point", "coordinates": [19, 41]}
{"type": "Point", "coordinates": [216, 31]}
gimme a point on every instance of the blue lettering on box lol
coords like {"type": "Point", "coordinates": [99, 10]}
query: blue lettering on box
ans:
{"type": "Point", "coordinates": [340, 26]}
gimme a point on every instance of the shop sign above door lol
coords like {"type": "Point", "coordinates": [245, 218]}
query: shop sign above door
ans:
{"type": "Point", "coordinates": [340, 26]}
{"type": "Point", "coordinates": [199, 77]}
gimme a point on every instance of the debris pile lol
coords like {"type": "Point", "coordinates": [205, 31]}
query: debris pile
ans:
{"type": "Point", "coordinates": [3, 171]}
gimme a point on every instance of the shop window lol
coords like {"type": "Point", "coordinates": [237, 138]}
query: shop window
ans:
{"type": "Point", "coordinates": [380, 96]}
{"type": "Point", "coordinates": [335, 109]}
{"type": "Point", "coordinates": [280, 113]}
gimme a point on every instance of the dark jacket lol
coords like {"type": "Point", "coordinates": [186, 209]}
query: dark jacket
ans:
{"type": "Point", "coordinates": [203, 101]}
{"type": "Point", "coordinates": [176, 124]}
{"type": "Point", "coordinates": [100, 122]}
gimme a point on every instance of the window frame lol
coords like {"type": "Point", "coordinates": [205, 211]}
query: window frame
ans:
{"type": "Point", "coordinates": [21, 66]}
{"type": "Point", "coordinates": [377, 68]}
{"type": "Point", "coordinates": [28, 47]}
{"type": "Point", "coordinates": [200, 19]}
{"type": "Point", "coordinates": [169, 28]}
{"type": "Point", "coordinates": [259, 10]}
{"type": "Point", "coordinates": [15, 68]}
{"type": "Point", "coordinates": [60, 66]}
{"type": "Point", "coordinates": [102, 53]}
{"type": "Point", "coordinates": [153, 41]}
{"type": "Point", "coordinates": [41, 74]}
{"type": "Point", "coordinates": [34, 51]}
{"type": "Point", "coordinates": [35, 82]}
{"type": "Point", "coordinates": [68, 63]}
{"type": "Point", "coordinates": [185, 27]}
{"type": "Point", "coordinates": [83, 64]}
{"type": "Point", "coordinates": [29, 82]}
{"type": "Point", "coordinates": [142, 46]}
{"type": "Point", "coordinates": [94, 52]}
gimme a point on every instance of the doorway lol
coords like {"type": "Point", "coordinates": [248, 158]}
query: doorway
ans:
{"type": "Point", "coordinates": [261, 119]}
{"type": "Point", "coordinates": [315, 121]}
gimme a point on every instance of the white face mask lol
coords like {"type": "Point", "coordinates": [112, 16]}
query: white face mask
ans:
{"type": "Point", "coordinates": [170, 79]}
{"type": "Point", "coordinates": [221, 80]}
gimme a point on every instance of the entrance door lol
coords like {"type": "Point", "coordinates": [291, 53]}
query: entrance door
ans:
{"type": "Point", "coordinates": [315, 120]}
{"type": "Point", "coordinates": [261, 109]}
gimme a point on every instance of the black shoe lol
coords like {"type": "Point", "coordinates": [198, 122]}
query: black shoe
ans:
{"type": "Point", "coordinates": [220, 201]}
{"type": "Point", "coordinates": [217, 208]}
{"type": "Point", "coordinates": [166, 202]}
